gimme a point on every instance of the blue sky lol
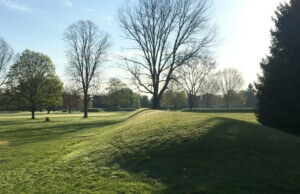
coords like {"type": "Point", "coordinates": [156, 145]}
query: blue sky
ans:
{"type": "Point", "coordinates": [39, 25]}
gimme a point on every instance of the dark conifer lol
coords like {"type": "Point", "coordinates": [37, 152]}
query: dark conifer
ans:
{"type": "Point", "coordinates": [279, 86]}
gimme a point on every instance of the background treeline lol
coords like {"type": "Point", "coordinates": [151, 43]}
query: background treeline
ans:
{"type": "Point", "coordinates": [117, 96]}
{"type": "Point", "coordinates": [176, 99]}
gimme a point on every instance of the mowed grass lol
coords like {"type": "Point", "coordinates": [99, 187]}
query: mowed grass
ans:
{"type": "Point", "coordinates": [146, 152]}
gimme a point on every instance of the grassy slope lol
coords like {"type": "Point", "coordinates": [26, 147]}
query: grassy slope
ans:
{"type": "Point", "coordinates": [152, 151]}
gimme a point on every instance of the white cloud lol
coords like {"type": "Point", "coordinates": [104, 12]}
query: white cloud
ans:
{"type": "Point", "coordinates": [15, 6]}
{"type": "Point", "coordinates": [68, 3]}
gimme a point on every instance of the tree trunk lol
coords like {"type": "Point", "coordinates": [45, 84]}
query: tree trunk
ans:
{"type": "Point", "coordinates": [32, 112]}
{"type": "Point", "coordinates": [156, 101]}
{"type": "Point", "coordinates": [48, 111]}
{"type": "Point", "coordinates": [207, 101]}
{"type": "Point", "coordinates": [191, 101]}
{"type": "Point", "coordinates": [85, 105]}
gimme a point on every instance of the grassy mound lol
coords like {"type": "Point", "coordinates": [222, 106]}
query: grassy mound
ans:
{"type": "Point", "coordinates": [149, 151]}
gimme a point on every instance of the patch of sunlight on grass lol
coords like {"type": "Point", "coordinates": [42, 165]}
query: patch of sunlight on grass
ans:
{"type": "Point", "coordinates": [4, 143]}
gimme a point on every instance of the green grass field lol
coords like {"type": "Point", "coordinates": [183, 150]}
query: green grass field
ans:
{"type": "Point", "coordinates": [146, 152]}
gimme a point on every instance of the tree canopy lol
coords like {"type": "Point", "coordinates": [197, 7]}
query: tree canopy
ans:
{"type": "Point", "coordinates": [29, 79]}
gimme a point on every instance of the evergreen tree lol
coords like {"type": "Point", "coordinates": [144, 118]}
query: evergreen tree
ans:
{"type": "Point", "coordinates": [279, 86]}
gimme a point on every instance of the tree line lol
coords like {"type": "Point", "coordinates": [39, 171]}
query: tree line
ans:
{"type": "Point", "coordinates": [172, 59]}
{"type": "Point", "coordinates": [166, 34]}
{"type": "Point", "coordinates": [173, 46]}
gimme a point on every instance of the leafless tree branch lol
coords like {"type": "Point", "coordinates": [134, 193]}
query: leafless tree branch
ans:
{"type": "Point", "coordinates": [6, 55]}
{"type": "Point", "coordinates": [167, 34]}
{"type": "Point", "coordinates": [87, 48]}
{"type": "Point", "coordinates": [192, 75]}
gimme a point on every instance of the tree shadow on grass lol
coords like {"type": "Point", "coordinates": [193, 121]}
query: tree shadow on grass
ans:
{"type": "Point", "coordinates": [233, 156]}
{"type": "Point", "coordinates": [47, 132]}
{"type": "Point", "coordinates": [37, 131]}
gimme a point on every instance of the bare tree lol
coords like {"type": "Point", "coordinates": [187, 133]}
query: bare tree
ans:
{"type": "Point", "coordinates": [167, 34]}
{"type": "Point", "coordinates": [6, 54]}
{"type": "Point", "coordinates": [229, 81]}
{"type": "Point", "coordinates": [87, 50]}
{"type": "Point", "coordinates": [209, 87]}
{"type": "Point", "coordinates": [191, 76]}
{"type": "Point", "coordinates": [71, 98]}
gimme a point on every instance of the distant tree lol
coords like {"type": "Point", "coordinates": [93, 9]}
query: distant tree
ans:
{"type": "Point", "coordinates": [71, 99]}
{"type": "Point", "coordinates": [53, 94]}
{"type": "Point", "coordinates": [114, 87]}
{"type": "Point", "coordinates": [167, 34]}
{"type": "Point", "coordinates": [145, 102]}
{"type": "Point", "coordinates": [6, 54]}
{"type": "Point", "coordinates": [128, 99]}
{"type": "Point", "coordinates": [239, 99]}
{"type": "Point", "coordinates": [191, 76]}
{"type": "Point", "coordinates": [209, 88]}
{"type": "Point", "coordinates": [136, 102]}
{"type": "Point", "coordinates": [120, 96]}
{"type": "Point", "coordinates": [230, 81]}
{"type": "Point", "coordinates": [29, 77]}
{"type": "Point", "coordinates": [174, 98]}
{"type": "Point", "coordinates": [279, 86]}
{"type": "Point", "coordinates": [87, 48]}
{"type": "Point", "coordinates": [251, 99]}
{"type": "Point", "coordinates": [100, 101]}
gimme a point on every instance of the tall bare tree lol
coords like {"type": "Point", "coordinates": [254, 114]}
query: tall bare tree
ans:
{"type": "Point", "coordinates": [191, 76]}
{"type": "Point", "coordinates": [230, 81]}
{"type": "Point", "coordinates": [87, 51]}
{"type": "Point", "coordinates": [6, 54]}
{"type": "Point", "coordinates": [166, 34]}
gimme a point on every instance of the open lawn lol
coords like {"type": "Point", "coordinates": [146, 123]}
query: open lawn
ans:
{"type": "Point", "coordinates": [146, 152]}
